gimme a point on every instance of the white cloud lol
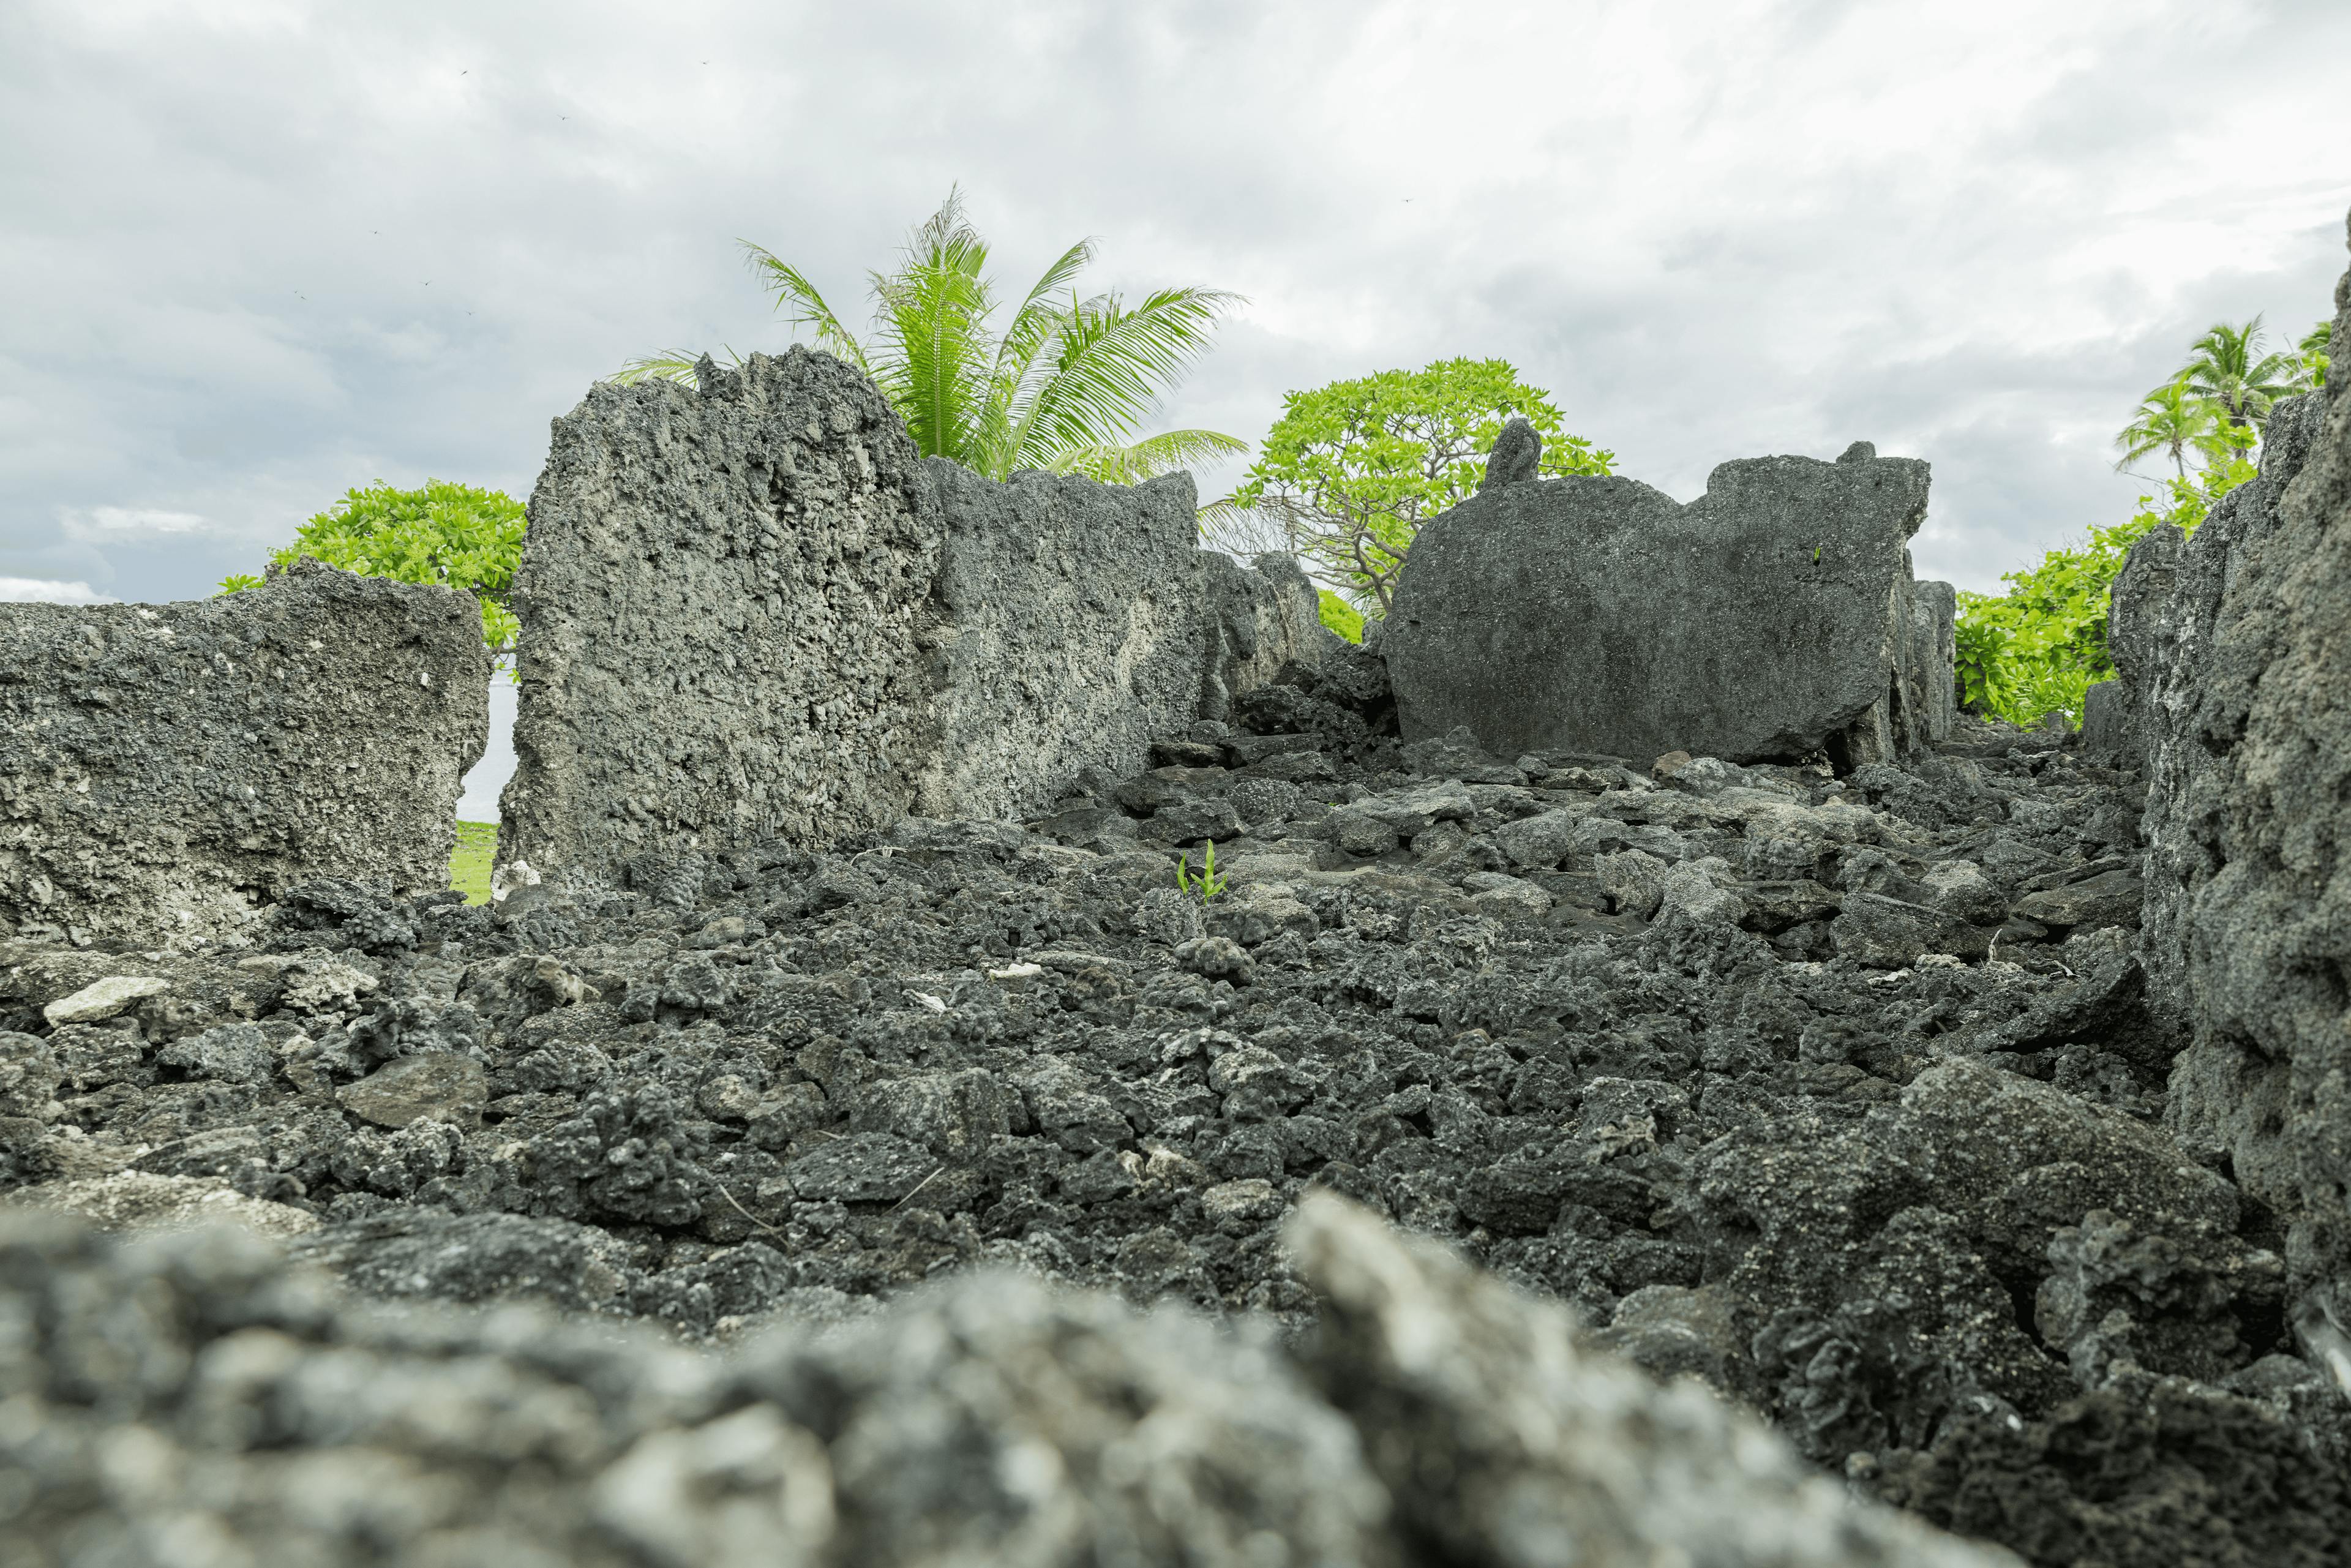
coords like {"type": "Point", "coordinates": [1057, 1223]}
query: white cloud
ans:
{"type": "Point", "coordinates": [1973, 231]}
{"type": "Point", "coordinates": [112, 524]}
{"type": "Point", "coordinates": [41, 590]}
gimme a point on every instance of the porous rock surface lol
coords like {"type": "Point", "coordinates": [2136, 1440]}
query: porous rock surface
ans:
{"type": "Point", "coordinates": [168, 770]}
{"type": "Point", "coordinates": [1843, 1095]}
{"type": "Point", "coordinates": [753, 610]}
{"type": "Point", "coordinates": [1436, 1414]}
{"type": "Point", "coordinates": [2243, 689]}
{"type": "Point", "coordinates": [1773, 617]}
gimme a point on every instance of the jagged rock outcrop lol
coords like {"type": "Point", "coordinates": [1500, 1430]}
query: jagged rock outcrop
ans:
{"type": "Point", "coordinates": [1773, 617]}
{"type": "Point", "coordinates": [167, 769]}
{"type": "Point", "coordinates": [752, 612]}
{"type": "Point", "coordinates": [2247, 694]}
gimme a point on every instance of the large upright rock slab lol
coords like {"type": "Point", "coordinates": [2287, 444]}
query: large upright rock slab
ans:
{"type": "Point", "coordinates": [1773, 616]}
{"type": "Point", "coordinates": [723, 606]}
{"type": "Point", "coordinates": [751, 610]}
{"type": "Point", "coordinates": [1066, 629]}
{"type": "Point", "coordinates": [2248, 917]}
{"type": "Point", "coordinates": [166, 770]}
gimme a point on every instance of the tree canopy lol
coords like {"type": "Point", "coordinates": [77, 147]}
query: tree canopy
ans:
{"type": "Point", "coordinates": [454, 536]}
{"type": "Point", "coordinates": [1351, 471]}
{"type": "Point", "coordinates": [1062, 386]}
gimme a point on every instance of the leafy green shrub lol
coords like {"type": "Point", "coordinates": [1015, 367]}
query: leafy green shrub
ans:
{"type": "Point", "coordinates": [1341, 616]}
{"type": "Point", "coordinates": [454, 536]}
{"type": "Point", "coordinates": [2039, 648]}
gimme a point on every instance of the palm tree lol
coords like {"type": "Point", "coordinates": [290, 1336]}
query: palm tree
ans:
{"type": "Point", "coordinates": [2171, 418]}
{"type": "Point", "coordinates": [2228, 366]}
{"type": "Point", "coordinates": [1061, 389]}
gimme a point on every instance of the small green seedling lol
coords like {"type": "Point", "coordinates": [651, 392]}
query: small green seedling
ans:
{"type": "Point", "coordinates": [1209, 883]}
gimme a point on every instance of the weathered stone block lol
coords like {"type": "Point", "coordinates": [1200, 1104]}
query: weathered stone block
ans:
{"type": "Point", "coordinates": [1773, 616]}
{"type": "Point", "coordinates": [166, 770]}
{"type": "Point", "coordinates": [752, 612]}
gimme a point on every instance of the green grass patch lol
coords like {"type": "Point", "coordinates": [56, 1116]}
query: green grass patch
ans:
{"type": "Point", "coordinates": [469, 863]}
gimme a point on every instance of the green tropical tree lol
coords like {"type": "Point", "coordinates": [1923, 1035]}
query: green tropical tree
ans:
{"type": "Point", "coordinates": [454, 536]}
{"type": "Point", "coordinates": [1061, 387]}
{"type": "Point", "coordinates": [1351, 471]}
{"type": "Point", "coordinates": [2174, 419]}
{"type": "Point", "coordinates": [2226, 365]}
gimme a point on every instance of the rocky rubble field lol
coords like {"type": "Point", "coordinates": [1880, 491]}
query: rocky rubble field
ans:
{"type": "Point", "coordinates": [1841, 1095]}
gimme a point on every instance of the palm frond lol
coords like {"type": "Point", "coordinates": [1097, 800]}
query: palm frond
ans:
{"type": "Point", "coordinates": [791, 287]}
{"type": "Point", "coordinates": [932, 348]}
{"type": "Point", "coordinates": [1114, 366]}
{"type": "Point", "coordinates": [1247, 529]}
{"type": "Point", "coordinates": [676, 365]}
{"type": "Point", "coordinates": [1132, 463]}
{"type": "Point", "coordinates": [1022, 361]}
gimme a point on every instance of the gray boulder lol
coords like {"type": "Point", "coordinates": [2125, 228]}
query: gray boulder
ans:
{"type": "Point", "coordinates": [1774, 616]}
{"type": "Point", "coordinates": [1517, 454]}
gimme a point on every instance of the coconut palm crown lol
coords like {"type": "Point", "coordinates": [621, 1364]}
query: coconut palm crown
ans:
{"type": "Point", "coordinates": [2228, 366]}
{"type": "Point", "coordinates": [2174, 419]}
{"type": "Point", "coordinates": [1062, 388]}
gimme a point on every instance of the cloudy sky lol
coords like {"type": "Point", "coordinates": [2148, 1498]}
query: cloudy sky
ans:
{"type": "Point", "coordinates": [255, 252]}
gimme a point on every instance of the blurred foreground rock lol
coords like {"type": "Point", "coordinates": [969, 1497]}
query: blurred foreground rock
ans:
{"type": "Point", "coordinates": [188, 1398]}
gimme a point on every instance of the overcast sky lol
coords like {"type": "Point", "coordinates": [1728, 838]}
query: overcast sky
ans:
{"type": "Point", "coordinates": [255, 252]}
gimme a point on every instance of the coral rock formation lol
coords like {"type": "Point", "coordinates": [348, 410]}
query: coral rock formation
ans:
{"type": "Point", "coordinates": [166, 770]}
{"type": "Point", "coordinates": [753, 610]}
